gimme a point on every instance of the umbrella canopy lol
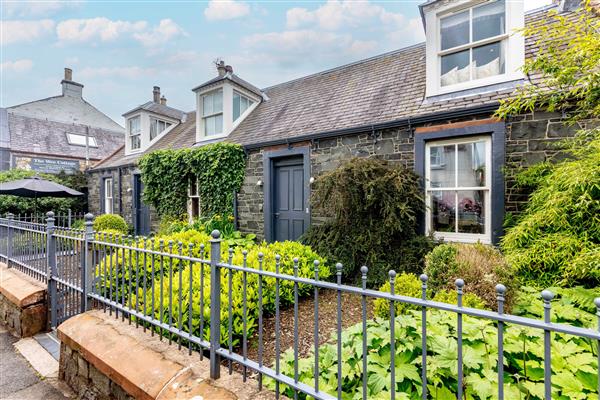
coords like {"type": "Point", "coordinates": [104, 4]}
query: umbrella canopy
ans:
{"type": "Point", "coordinates": [37, 187]}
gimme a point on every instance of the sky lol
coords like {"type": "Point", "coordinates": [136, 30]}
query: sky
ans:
{"type": "Point", "coordinates": [119, 50]}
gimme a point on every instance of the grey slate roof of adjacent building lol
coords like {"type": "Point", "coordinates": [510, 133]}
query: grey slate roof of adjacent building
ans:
{"type": "Point", "coordinates": [181, 136]}
{"type": "Point", "coordinates": [157, 108]}
{"type": "Point", "coordinates": [381, 89]}
{"type": "Point", "coordinates": [34, 135]}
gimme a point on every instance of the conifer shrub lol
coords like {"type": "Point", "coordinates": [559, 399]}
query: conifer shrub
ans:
{"type": "Point", "coordinates": [373, 208]}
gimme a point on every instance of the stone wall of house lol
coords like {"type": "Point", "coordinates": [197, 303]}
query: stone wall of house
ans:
{"type": "Point", "coordinates": [123, 198]}
{"type": "Point", "coordinates": [530, 138]}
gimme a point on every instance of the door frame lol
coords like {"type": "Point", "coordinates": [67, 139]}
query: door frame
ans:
{"type": "Point", "coordinates": [269, 158]}
{"type": "Point", "coordinates": [134, 201]}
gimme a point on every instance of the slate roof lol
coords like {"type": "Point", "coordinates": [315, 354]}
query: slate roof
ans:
{"type": "Point", "coordinates": [181, 136]}
{"type": "Point", "coordinates": [35, 135]}
{"type": "Point", "coordinates": [377, 90]}
{"type": "Point", "coordinates": [157, 108]}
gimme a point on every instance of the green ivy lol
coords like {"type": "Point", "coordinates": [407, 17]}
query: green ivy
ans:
{"type": "Point", "coordinates": [219, 169]}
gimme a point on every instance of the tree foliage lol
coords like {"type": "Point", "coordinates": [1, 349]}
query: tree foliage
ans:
{"type": "Point", "coordinates": [556, 240]}
{"type": "Point", "coordinates": [219, 169]}
{"type": "Point", "coordinates": [374, 207]}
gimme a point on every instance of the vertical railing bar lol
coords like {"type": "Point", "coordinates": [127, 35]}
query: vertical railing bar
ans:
{"type": "Point", "coordinates": [459, 331]}
{"type": "Point", "coordinates": [245, 313]}
{"type": "Point", "coordinates": [161, 306]}
{"type": "Point", "coordinates": [392, 275]}
{"type": "Point", "coordinates": [500, 291]}
{"type": "Point", "coordinates": [260, 322]}
{"type": "Point", "coordinates": [296, 374]}
{"type": "Point", "coordinates": [130, 269]}
{"type": "Point", "coordinates": [145, 278]}
{"type": "Point", "coordinates": [202, 249]}
{"type": "Point", "coordinates": [180, 275]}
{"type": "Point", "coordinates": [170, 323]}
{"type": "Point", "coordinates": [137, 278]}
{"type": "Point", "coordinates": [363, 272]}
{"type": "Point", "coordinates": [338, 268]}
{"type": "Point", "coordinates": [547, 297]}
{"type": "Point", "coordinates": [229, 309]}
{"type": "Point", "coordinates": [277, 324]}
{"type": "Point", "coordinates": [152, 263]}
{"type": "Point", "coordinates": [423, 278]}
{"type": "Point", "coordinates": [215, 304]}
{"type": "Point", "coordinates": [110, 269]}
{"type": "Point", "coordinates": [190, 297]}
{"type": "Point", "coordinates": [597, 304]}
{"type": "Point", "coordinates": [316, 326]}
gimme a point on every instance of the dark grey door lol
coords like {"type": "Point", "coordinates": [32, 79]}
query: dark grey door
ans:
{"type": "Point", "coordinates": [141, 211]}
{"type": "Point", "coordinates": [289, 208]}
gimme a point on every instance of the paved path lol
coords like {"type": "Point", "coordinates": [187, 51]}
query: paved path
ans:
{"type": "Point", "coordinates": [18, 380]}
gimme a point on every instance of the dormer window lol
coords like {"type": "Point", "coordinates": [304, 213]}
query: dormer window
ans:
{"type": "Point", "coordinates": [135, 133]}
{"type": "Point", "coordinates": [212, 113]}
{"type": "Point", "coordinates": [240, 104]}
{"type": "Point", "coordinates": [472, 44]}
{"type": "Point", "coordinates": [157, 126]}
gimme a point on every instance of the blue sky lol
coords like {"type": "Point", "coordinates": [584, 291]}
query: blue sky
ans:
{"type": "Point", "coordinates": [120, 49]}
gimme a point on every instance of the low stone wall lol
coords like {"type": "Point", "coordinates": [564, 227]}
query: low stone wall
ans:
{"type": "Point", "coordinates": [103, 358]}
{"type": "Point", "coordinates": [23, 304]}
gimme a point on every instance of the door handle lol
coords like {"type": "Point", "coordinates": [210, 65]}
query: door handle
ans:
{"type": "Point", "coordinates": [276, 215]}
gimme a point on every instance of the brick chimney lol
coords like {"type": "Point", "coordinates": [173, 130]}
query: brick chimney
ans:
{"type": "Point", "coordinates": [70, 87]}
{"type": "Point", "coordinates": [221, 68]}
{"type": "Point", "coordinates": [163, 100]}
{"type": "Point", "coordinates": [156, 95]}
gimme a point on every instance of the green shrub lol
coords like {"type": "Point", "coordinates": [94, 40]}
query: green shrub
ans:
{"type": "Point", "coordinates": [230, 236]}
{"type": "Point", "coordinates": [405, 285]}
{"type": "Point", "coordinates": [558, 234]}
{"type": "Point", "coordinates": [135, 271]}
{"type": "Point", "coordinates": [373, 208]}
{"type": "Point", "coordinates": [482, 267]}
{"type": "Point", "coordinates": [451, 297]}
{"type": "Point", "coordinates": [110, 221]}
{"type": "Point", "coordinates": [574, 363]}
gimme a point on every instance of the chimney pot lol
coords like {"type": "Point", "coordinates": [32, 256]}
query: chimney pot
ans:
{"type": "Point", "coordinates": [229, 69]}
{"type": "Point", "coordinates": [221, 68]}
{"type": "Point", "coordinates": [68, 74]}
{"type": "Point", "coordinates": [163, 100]}
{"type": "Point", "coordinates": [156, 94]}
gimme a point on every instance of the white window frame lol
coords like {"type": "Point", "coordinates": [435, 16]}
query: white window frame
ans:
{"type": "Point", "coordinates": [192, 198]}
{"type": "Point", "coordinates": [131, 135]}
{"type": "Point", "coordinates": [213, 114]}
{"type": "Point", "coordinates": [156, 121]}
{"type": "Point", "coordinates": [73, 137]}
{"type": "Point", "coordinates": [108, 200]}
{"type": "Point", "coordinates": [250, 101]}
{"type": "Point", "coordinates": [514, 45]}
{"type": "Point", "coordinates": [487, 189]}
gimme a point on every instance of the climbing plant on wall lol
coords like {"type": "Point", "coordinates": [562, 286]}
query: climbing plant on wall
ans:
{"type": "Point", "coordinates": [218, 168]}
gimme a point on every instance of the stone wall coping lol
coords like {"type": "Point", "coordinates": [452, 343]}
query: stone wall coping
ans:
{"type": "Point", "coordinates": [20, 289]}
{"type": "Point", "coordinates": [146, 367]}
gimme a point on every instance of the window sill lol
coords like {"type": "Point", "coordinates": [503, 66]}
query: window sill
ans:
{"type": "Point", "coordinates": [462, 237]}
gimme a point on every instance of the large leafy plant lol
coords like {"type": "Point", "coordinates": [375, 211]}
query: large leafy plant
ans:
{"type": "Point", "coordinates": [574, 360]}
{"type": "Point", "coordinates": [218, 169]}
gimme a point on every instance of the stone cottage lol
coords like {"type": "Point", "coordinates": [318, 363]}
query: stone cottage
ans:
{"type": "Point", "coordinates": [428, 107]}
{"type": "Point", "coordinates": [59, 133]}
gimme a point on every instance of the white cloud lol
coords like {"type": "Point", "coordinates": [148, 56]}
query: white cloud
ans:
{"type": "Point", "coordinates": [36, 8]}
{"type": "Point", "coordinates": [166, 30]}
{"type": "Point", "coordinates": [292, 47]}
{"type": "Point", "coordinates": [23, 65]}
{"type": "Point", "coordinates": [411, 29]}
{"type": "Point", "coordinates": [335, 14]}
{"type": "Point", "coordinates": [225, 9]}
{"type": "Point", "coordinates": [100, 28]}
{"type": "Point", "coordinates": [129, 72]}
{"type": "Point", "coordinates": [24, 31]}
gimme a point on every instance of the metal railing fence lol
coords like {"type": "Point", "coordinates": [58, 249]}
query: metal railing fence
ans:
{"type": "Point", "coordinates": [191, 295]}
{"type": "Point", "coordinates": [66, 219]}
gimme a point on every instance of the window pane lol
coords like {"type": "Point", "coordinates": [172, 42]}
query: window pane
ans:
{"type": "Point", "coordinates": [471, 211]}
{"type": "Point", "coordinates": [471, 164]}
{"type": "Point", "coordinates": [134, 125]}
{"type": "Point", "coordinates": [455, 30]}
{"type": "Point", "coordinates": [488, 60]}
{"type": "Point", "coordinates": [135, 142]}
{"type": "Point", "coordinates": [443, 213]}
{"type": "Point", "coordinates": [209, 126]}
{"type": "Point", "coordinates": [218, 124]}
{"type": "Point", "coordinates": [455, 68]}
{"type": "Point", "coordinates": [218, 101]}
{"type": "Point", "coordinates": [207, 105]}
{"type": "Point", "coordinates": [236, 106]}
{"type": "Point", "coordinates": [153, 129]}
{"type": "Point", "coordinates": [488, 20]}
{"type": "Point", "coordinates": [441, 176]}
